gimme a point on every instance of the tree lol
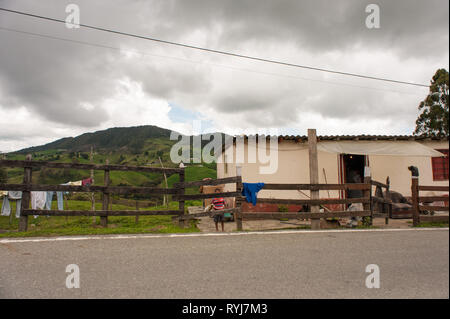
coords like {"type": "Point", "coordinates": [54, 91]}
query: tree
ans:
{"type": "Point", "coordinates": [433, 119]}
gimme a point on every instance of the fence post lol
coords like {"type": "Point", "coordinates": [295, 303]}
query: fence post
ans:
{"type": "Point", "coordinates": [415, 194]}
{"type": "Point", "coordinates": [313, 175]}
{"type": "Point", "coordinates": [237, 213]}
{"type": "Point", "coordinates": [388, 197]}
{"type": "Point", "coordinates": [91, 159]}
{"type": "Point", "coordinates": [27, 175]}
{"type": "Point", "coordinates": [181, 188]}
{"type": "Point", "coordinates": [136, 218]}
{"type": "Point", "coordinates": [104, 219]}
{"type": "Point", "coordinates": [368, 193]}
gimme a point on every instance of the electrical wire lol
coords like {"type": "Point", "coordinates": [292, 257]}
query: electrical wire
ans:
{"type": "Point", "coordinates": [201, 62]}
{"type": "Point", "coordinates": [215, 51]}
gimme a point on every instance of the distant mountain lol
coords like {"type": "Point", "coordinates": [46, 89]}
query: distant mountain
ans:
{"type": "Point", "coordinates": [138, 145]}
{"type": "Point", "coordinates": [127, 139]}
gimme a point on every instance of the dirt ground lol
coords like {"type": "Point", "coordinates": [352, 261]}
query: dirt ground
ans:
{"type": "Point", "coordinates": [206, 224]}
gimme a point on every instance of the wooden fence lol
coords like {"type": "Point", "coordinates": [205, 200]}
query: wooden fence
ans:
{"type": "Point", "coordinates": [366, 212]}
{"type": "Point", "coordinates": [373, 205]}
{"type": "Point", "coordinates": [421, 203]}
{"type": "Point", "coordinates": [178, 194]}
{"type": "Point", "coordinates": [106, 189]}
{"type": "Point", "coordinates": [239, 216]}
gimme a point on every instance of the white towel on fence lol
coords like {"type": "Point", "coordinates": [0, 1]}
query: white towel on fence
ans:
{"type": "Point", "coordinates": [38, 200]}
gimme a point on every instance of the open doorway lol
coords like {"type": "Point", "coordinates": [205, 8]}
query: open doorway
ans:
{"type": "Point", "coordinates": [352, 168]}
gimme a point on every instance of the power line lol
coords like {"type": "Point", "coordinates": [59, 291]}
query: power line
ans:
{"type": "Point", "coordinates": [199, 62]}
{"type": "Point", "coordinates": [216, 51]}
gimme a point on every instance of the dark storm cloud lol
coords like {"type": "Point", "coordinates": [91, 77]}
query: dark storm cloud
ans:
{"type": "Point", "coordinates": [410, 27]}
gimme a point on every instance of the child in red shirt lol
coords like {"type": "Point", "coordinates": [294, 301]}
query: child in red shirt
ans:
{"type": "Point", "coordinates": [218, 204]}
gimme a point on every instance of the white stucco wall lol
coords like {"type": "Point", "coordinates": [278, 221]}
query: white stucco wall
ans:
{"type": "Point", "coordinates": [293, 167]}
{"type": "Point", "coordinates": [396, 167]}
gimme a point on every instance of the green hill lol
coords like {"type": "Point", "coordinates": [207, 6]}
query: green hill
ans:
{"type": "Point", "coordinates": [140, 145]}
{"type": "Point", "coordinates": [126, 139]}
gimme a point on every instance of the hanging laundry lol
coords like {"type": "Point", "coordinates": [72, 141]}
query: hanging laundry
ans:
{"type": "Point", "coordinates": [249, 190]}
{"type": "Point", "coordinates": [86, 182]}
{"type": "Point", "coordinates": [6, 207]}
{"type": "Point", "coordinates": [38, 200]}
{"type": "Point", "coordinates": [15, 194]}
{"type": "Point", "coordinates": [49, 199]}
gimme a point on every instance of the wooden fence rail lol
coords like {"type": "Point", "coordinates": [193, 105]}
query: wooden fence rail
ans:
{"type": "Point", "coordinates": [323, 201]}
{"type": "Point", "coordinates": [101, 167]}
{"type": "Point", "coordinates": [204, 196]}
{"type": "Point", "coordinates": [301, 215]}
{"type": "Point", "coordinates": [122, 190]}
{"type": "Point", "coordinates": [211, 182]}
{"type": "Point", "coordinates": [102, 213]}
{"type": "Point", "coordinates": [316, 187]}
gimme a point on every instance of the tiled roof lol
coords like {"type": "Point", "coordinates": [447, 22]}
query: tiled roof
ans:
{"type": "Point", "coordinates": [304, 138]}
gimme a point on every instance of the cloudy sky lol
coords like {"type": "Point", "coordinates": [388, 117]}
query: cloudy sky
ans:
{"type": "Point", "coordinates": [57, 82]}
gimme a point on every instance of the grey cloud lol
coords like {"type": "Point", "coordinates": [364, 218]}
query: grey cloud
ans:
{"type": "Point", "coordinates": [50, 77]}
{"type": "Point", "coordinates": [169, 80]}
{"type": "Point", "coordinates": [412, 28]}
{"type": "Point", "coordinates": [54, 78]}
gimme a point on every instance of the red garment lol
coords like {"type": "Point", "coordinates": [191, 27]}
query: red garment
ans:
{"type": "Point", "coordinates": [86, 182]}
{"type": "Point", "coordinates": [219, 203]}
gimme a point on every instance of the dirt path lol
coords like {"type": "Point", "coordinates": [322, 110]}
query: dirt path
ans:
{"type": "Point", "coordinates": [206, 224]}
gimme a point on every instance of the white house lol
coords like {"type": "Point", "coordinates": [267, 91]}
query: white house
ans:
{"type": "Point", "coordinates": [385, 155]}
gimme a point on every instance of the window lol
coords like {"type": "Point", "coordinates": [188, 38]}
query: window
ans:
{"type": "Point", "coordinates": [440, 166]}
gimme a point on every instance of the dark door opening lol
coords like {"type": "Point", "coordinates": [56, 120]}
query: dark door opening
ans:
{"type": "Point", "coordinates": [353, 172]}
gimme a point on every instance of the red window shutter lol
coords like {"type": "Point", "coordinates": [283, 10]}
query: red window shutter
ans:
{"type": "Point", "coordinates": [440, 166]}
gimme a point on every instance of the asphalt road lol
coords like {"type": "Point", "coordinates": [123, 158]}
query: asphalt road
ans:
{"type": "Point", "coordinates": [412, 263]}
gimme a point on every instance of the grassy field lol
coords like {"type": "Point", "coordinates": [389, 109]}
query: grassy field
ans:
{"type": "Point", "coordinates": [57, 226]}
{"type": "Point", "coordinates": [60, 226]}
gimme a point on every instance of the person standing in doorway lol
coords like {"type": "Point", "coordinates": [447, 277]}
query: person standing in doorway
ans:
{"type": "Point", "coordinates": [354, 177]}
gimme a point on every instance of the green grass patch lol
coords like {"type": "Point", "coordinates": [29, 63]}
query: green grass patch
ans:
{"type": "Point", "coordinates": [84, 225]}
{"type": "Point", "coordinates": [193, 173]}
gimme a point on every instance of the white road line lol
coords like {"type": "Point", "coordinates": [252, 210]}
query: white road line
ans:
{"type": "Point", "coordinates": [143, 236]}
